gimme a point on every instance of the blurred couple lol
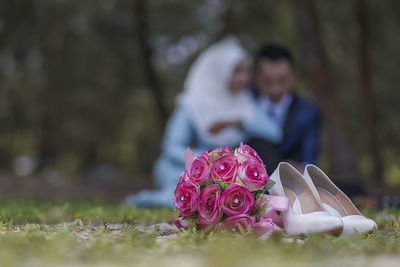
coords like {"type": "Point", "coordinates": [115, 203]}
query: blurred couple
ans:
{"type": "Point", "coordinates": [223, 103]}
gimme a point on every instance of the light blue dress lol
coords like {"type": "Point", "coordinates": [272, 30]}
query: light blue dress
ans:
{"type": "Point", "coordinates": [179, 135]}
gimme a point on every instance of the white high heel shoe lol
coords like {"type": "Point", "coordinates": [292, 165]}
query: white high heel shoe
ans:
{"type": "Point", "coordinates": [306, 214]}
{"type": "Point", "coordinates": [337, 203]}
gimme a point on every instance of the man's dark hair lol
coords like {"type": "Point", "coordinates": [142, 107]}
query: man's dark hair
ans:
{"type": "Point", "coordinates": [274, 52]}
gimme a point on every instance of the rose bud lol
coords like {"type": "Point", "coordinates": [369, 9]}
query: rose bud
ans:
{"type": "Point", "coordinates": [252, 175]}
{"type": "Point", "coordinates": [245, 221]}
{"type": "Point", "coordinates": [246, 152]}
{"type": "Point", "coordinates": [180, 223]}
{"type": "Point", "coordinates": [265, 227]}
{"type": "Point", "coordinates": [236, 199]}
{"type": "Point", "coordinates": [185, 196]}
{"type": "Point", "coordinates": [270, 205]}
{"type": "Point", "coordinates": [208, 205]}
{"type": "Point", "coordinates": [199, 170]}
{"type": "Point", "coordinates": [225, 168]}
{"type": "Point", "coordinates": [184, 177]}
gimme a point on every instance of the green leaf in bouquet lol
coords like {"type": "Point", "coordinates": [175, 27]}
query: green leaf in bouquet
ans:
{"type": "Point", "coordinates": [263, 208]}
{"type": "Point", "coordinates": [222, 184]}
{"type": "Point", "coordinates": [241, 229]}
{"type": "Point", "coordinates": [269, 185]}
{"type": "Point", "coordinates": [192, 221]}
{"type": "Point", "coordinates": [176, 212]}
{"type": "Point", "coordinates": [257, 194]}
{"type": "Point", "coordinates": [256, 210]}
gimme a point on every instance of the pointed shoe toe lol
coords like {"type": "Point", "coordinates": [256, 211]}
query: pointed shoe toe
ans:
{"type": "Point", "coordinates": [337, 203]}
{"type": "Point", "coordinates": [357, 223]}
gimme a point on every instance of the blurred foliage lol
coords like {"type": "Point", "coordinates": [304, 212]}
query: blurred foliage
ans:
{"type": "Point", "coordinates": [72, 87]}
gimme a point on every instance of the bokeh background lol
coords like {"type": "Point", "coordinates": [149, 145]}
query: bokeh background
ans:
{"type": "Point", "coordinates": [86, 87]}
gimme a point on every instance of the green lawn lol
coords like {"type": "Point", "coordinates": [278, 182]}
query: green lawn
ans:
{"type": "Point", "coordinates": [87, 234]}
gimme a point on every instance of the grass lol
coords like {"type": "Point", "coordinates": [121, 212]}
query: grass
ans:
{"type": "Point", "coordinates": [88, 234]}
{"type": "Point", "coordinates": [28, 211]}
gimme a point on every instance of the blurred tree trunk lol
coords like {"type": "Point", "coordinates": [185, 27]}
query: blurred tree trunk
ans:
{"type": "Point", "coordinates": [140, 9]}
{"type": "Point", "coordinates": [46, 129]}
{"type": "Point", "coordinates": [370, 109]}
{"type": "Point", "coordinates": [341, 154]}
{"type": "Point", "coordinates": [9, 19]}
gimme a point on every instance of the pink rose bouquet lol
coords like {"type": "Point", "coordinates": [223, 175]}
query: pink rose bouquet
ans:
{"type": "Point", "coordinates": [227, 189]}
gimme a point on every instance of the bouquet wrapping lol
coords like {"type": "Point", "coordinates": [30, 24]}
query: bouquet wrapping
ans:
{"type": "Point", "coordinates": [227, 189]}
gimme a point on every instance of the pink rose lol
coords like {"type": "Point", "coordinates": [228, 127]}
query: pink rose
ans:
{"type": "Point", "coordinates": [199, 171]}
{"type": "Point", "coordinates": [208, 205]}
{"type": "Point", "coordinates": [265, 227]}
{"type": "Point", "coordinates": [246, 152]}
{"type": "Point", "coordinates": [252, 175]}
{"type": "Point", "coordinates": [185, 196]}
{"type": "Point", "coordinates": [236, 199]}
{"type": "Point", "coordinates": [206, 157]}
{"type": "Point", "coordinates": [270, 206]}
{"type": "Point", "coordinates": [225, 168]}
{"type": "Point", "coordinates": [217, 153]}
{"type": "Point", "coordinates": [233, 222]}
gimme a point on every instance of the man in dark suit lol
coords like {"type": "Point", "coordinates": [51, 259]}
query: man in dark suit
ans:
{"type": "Point", "coordinates": [300, 120]}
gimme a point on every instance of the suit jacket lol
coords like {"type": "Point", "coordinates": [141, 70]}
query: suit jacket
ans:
{"type": "Point", "coordinates": [301, 131]}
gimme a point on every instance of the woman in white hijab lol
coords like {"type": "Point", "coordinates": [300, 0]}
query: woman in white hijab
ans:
{"type": "Point", "coordinates": [215, 109]}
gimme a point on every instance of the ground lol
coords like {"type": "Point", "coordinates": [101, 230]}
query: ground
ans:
{"type": "Point", "coordinates": [37, 233]}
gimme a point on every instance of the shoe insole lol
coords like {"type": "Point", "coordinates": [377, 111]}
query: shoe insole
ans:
{"type": "Point", "coordinates": [304, 202]}
{"type": "Point", "coordinates": [330, 195]}
{"type": "Point", "coordinates": [331, 200]}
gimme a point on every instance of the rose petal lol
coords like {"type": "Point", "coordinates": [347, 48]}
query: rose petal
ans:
{"type": "Point", "coordinates": [189, 158]}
